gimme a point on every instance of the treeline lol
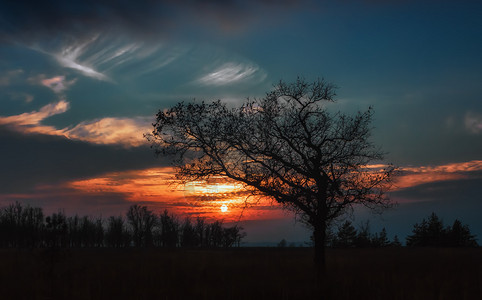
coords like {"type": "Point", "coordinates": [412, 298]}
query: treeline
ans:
{"type": "Point", "coordinates": [28, 227]}
{"type": "Point", "coordinates": [428, 233]}
{"type": "Point", "coordinates": [433, 233]}
{"type": "Point", "coordinates": [348, 236]}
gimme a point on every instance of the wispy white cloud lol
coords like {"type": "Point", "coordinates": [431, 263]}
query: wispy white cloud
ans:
{"type": "Point", "coordinates": [158, 58]}
{"type": "Point", "coordinates": [99, 55]}
{"type": "Point", "coordinates": [232, 73]}
{"type": "Point", "coordinates": [69, 57]}
{"type": "Point", "coordinates": [473, 122]}
{"type": "Point", "coordinates": [69, 62]}
{"type": "Point", "coordinates": [127, 132]}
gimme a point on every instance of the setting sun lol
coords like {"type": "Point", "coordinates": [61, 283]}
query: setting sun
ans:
{"type": "Point", "coordinates": [224, 208]}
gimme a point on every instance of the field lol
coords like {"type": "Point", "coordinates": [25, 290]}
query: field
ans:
{"type": "Point", "coordinates": [241, 273]}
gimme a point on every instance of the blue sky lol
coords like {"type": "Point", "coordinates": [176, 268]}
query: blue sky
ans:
{"type": "Point", "coordinates": [81, 81]}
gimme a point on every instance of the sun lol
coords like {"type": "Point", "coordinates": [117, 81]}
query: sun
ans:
{"type": "Point", "coordinates": [224, 208]}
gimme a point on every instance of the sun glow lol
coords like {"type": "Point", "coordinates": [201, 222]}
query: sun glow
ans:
{"type": "Point", "coordinates": [203, 198]}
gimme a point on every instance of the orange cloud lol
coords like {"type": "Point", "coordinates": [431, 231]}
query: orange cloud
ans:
{"type": "Point", "coordinates": [58, 83]}
{"type": "Point", "coordinates": [145, 185]}
{"type": "Point", "coordinates": [31, 122]}
{"type": "Point", "coordinates": [413, 176]}
{"type": "Point", "coordinates": [127, 132]}
{"type": "Point", "coordinates": [124, 131]}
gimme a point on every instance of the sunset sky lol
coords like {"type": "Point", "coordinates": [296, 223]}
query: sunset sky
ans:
{"type": "Point", "coordinates": [81, 82]}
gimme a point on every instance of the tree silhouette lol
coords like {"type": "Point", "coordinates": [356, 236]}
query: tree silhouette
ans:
{"type": "Point", "coordinates": [200, 228]}
{"type": "Point", "coordinates": [232, 236]}
{"type": "Point", "coordinates": [282, 244]}
{"type": "Point", "coordinates": [346, 236]}
{"type": "Point", "coordinates": [381, 239]}
{"type": "Point", "coordinates": [188, 234]}
{"type": "Point", "coordinates": [21, 226]}
{"type": "Point", "coordinates": [286, 146]}
{"type": "Point", "coordinates": [428, 233]}
{"type": "Point", "coordinates": [363, 238]}
{"type": "Point", "coordinates": [459, 236]}
{"type": "Point", "coordinates": [169, 229]}
{"type": "Point", "coordinates": [396, 242]}
{"type": "Point", "coordinates": [431, 232]}
{"type": "Point", "coordinates": [142, 222]}
{"type": "Point", "coordinates": [117, 235]}
{"type": "Point", "coordinates": [56, 230]}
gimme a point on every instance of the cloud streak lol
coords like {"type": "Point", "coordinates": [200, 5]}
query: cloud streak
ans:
{"type": "Point", "coordinates": [69, 58]}
{"type": "Point", "coordinates": [102, 56]}
{"type": "Point", "coordinates": [31, 122]}
{"type": "Point", "coordinates": [127, 132]}
{"type": "Point", "coordinates": [108, 131]}
{"type": "Point", "coordinates": [415, 176]}
{"type": "Point", "coordinates": [231, 73]}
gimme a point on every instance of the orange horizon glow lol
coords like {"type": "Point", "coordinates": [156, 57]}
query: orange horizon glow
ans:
{"type": "Point", "coordinates": [204, 198]}
{"type": "Point", "coordinates": [208, 198]}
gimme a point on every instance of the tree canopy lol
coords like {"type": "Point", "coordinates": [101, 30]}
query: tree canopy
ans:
{"type": "Point", "coordinates": [286, 146]}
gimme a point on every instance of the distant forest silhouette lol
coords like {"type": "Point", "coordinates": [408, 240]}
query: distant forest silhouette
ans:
{"type": "Point", "coordinates": [428, 233]}
{"type": "Point", "coordinates": [28, 227]}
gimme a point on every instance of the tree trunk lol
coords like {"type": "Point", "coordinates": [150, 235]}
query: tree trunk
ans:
{"type": "Point", "coordinates": [320, 260]}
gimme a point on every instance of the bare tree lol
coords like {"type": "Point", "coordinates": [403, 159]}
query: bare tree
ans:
{"type": "Point", "coordinates": [56, 230]}
{"type": "Point", "coordinates": [142, 222]}
{"type": "Point", "coordinates": [116, 235]}
{"type": "Point", "coordinates": [200, 228]}
{"type": "Point", "coordinates": [188, 234]}
{"type": "Point", "coordinates": [286, 146]}
{"type": "Point", "coordinates": [169, 229]}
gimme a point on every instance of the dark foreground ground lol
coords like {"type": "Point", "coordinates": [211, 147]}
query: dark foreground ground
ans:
{"type": "Point", "coordinates": [245, 273]}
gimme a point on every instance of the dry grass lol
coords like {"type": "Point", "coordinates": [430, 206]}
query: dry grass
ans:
{"type": "Point", "coordinates": [245, 273]}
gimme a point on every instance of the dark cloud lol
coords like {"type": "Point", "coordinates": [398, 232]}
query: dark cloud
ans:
{"type": "Point", "coordinates": [146, 17]}
{"type": "Point", "coordinates": [32, 160]}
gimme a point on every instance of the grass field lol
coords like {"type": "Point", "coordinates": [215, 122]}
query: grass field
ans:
{"type": "Point", "coordinates": [242, 273]}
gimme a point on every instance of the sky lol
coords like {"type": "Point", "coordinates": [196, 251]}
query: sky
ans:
{"type": "Point", "coordinates": [81, 82]}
